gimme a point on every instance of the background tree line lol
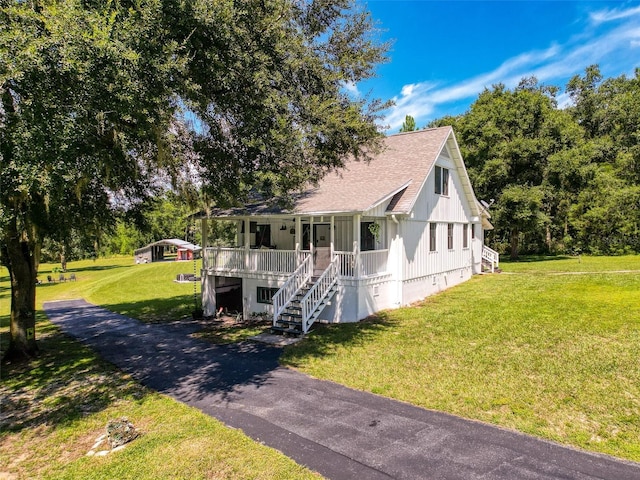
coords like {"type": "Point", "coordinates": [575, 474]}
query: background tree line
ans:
{"type": "Point", "coordinates": [560, 180]}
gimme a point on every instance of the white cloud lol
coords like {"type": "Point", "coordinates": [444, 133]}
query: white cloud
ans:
{"type": "Point", "coordinates": [603, 16]}
{"type": "Point", "coordinates": [407, 90]}
{"type": "Point", "coordinates": [609, 49]}
{"type": "Point", "coordinates": [352, 89]}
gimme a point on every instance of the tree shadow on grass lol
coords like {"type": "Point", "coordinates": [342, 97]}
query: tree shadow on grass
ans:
{"type": "Point", "coordinates": [64, 383]}
{"type": "Point", "coordinates": [537, 258]}
{"type": "Point", "coordinates": [93, 268]}
{"type": "Point", "coordinates": [324, 339]}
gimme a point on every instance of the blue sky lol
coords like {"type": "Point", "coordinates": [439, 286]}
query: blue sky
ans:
{"type": "Point", "coordinates": [445, 53]}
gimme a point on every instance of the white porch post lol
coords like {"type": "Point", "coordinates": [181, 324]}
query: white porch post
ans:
{"type": "Point", "coordinates": [298, 227]}
{"type": "Point", "coordinates": [356, 244]}
{"type": "Point", "coordinates": [332, 228]}
{"type": "Point", "coordinates": [356, 267]}
{"type": "Point", "coordinates": [204, 228]}
{"type": "Point", "coordinates": [312, 244]}
{"type": "Point", "coordinates": [247, 242]}
{"type": "Point", "coordinates": [207, 282]}
{"type": "Point", "coordinates": [209, 294]}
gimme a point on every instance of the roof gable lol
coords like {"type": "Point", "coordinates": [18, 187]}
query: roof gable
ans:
{"type": "Point", "coordinates": [399, 171]}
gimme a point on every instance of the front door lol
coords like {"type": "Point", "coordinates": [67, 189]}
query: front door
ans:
{"type": "Point", "coordinates": [322, 235]}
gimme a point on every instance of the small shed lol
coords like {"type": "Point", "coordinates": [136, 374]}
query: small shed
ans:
{"type": "Point", "coordinates": [167, 249]}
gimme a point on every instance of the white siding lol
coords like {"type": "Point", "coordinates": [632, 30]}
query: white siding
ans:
{"type": "Point", "coordinates": [282, 239]}
{"type": "Point", "coordinates": [450, 208]}
{"type": "Point", "coordinates": [343, 237]}
{"type": "Point", "coordinates": [441, 210]}
{"type": "Point", "coordinates": [357, 299]}
{"type": "Point", "coordinates": [378, 211]}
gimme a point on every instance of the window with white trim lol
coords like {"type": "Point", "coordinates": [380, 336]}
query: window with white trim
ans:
{"type": "Point", "coordinates": [465, 235]}
{"type": "Point", "coordinates": [450, 236]}
{"type": "Point", "coordinates": [265, 294]}
{"type": "Point", "coordinates": [432, 236]}
{"type": "Point", "coordinates": [442, 181]}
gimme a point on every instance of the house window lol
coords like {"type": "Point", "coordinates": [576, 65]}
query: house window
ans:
{"type": "Point", "coordinates": [465, 235]}
{"type": "Point", "coordinates": [432, 236]}
{"type": "Point", "coordinates": [473, 231]}
{"type": "Point", "coordinates": [450, 236]}
{"type": "Point", "coordinates": [265, 294]}
{"type": "Point", "coordinates": [442, 181]}
{"type": "Point", "coordinates": [367, 238]}
{"type": "Point", "coordinates": [263, 236]}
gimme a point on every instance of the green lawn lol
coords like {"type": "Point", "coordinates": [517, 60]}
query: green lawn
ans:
{"type": "Point", "coordinates": [572, 264]}
{"type": "Point", "coordinates": [548, 347]}
{"type": "Point", "coordinates": [553, 355]}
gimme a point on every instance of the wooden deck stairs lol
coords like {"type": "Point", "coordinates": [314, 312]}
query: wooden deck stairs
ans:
{"type": "Point", "coordinates": [490, 260]}
{"type": "Point", "coordinates": [306, 304]}
{"type": "Point", "coordinates": [289, 322]}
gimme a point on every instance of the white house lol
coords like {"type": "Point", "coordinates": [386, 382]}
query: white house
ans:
{"type": "Point", "coordinates": [373, 236]}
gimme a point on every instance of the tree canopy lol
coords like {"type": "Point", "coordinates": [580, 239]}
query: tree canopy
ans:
{"type": "Point", "coordinates": [105, 103]}
{"type": "Point", "coordinates": [409, 124]}
{"type": "Point", "coordinates": [563, 179]}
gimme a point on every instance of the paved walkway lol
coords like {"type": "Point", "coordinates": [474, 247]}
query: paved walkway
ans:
{"type": "Point", "coordinates": [339, 432]}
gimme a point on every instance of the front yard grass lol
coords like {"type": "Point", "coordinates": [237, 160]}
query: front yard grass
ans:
{"type": "Point", "coordinates": [54, 407]}
{"type": "Point", "coordinates": [553, 355]}
{"type": "Point", "coordinates": [537, 348]}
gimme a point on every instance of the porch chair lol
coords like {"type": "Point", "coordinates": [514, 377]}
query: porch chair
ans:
{"type": "Point", "coordinates": [61, 278]}
{"type": "Point", "coordinates": [72, 277]}
{"type": "Point", "coordinates": [49, 278]}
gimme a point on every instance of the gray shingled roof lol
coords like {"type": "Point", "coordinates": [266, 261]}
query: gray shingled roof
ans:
{"type": "Point", "coordinates": [397, 173]}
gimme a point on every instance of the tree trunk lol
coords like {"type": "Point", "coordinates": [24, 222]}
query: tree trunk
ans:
{"type": "Point", "coordinates": [548, 239]}
{"type": "Point", "coordinates": [514, 244]}
{"type": "Point", "coordinates": [21, 262]}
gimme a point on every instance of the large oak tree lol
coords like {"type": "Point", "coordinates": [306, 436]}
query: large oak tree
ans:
{"type": "Point", "coordinates": [103, 102]}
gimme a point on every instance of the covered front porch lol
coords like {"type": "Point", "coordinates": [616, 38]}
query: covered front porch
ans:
{"type": "Point", "coordinates": [277, 246]}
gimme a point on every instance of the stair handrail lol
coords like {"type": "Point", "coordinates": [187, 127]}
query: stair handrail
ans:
{"type": "Point", "coordinates": [317, 293]}
{"type": "Point", "coordinates": [491, 256]}
{"type": "Point", "coordinates": [296, 280]}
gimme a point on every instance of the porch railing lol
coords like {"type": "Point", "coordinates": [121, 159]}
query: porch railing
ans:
{"type": "Point", "coordinates": [240, 259]}
{"type": "Point", "coordinates": [218, 258]}
{"type": "Point", "coordinates": [491, 257]}
{"type": "Point", "coordinates": [372, 262]}
{"type": "Point", "coordinates": [296, 281]}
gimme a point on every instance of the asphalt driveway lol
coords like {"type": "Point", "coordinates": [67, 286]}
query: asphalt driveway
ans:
{"type": "Point", "coordinates": [336, 431]}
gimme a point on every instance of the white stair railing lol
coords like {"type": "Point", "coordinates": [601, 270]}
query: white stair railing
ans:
{"type": "Point", "coordinates": [317, 294]}
{"type": "Point", "coordinates": [288, 290]}
{"type": "Point", "coordinates": [491, 257]}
